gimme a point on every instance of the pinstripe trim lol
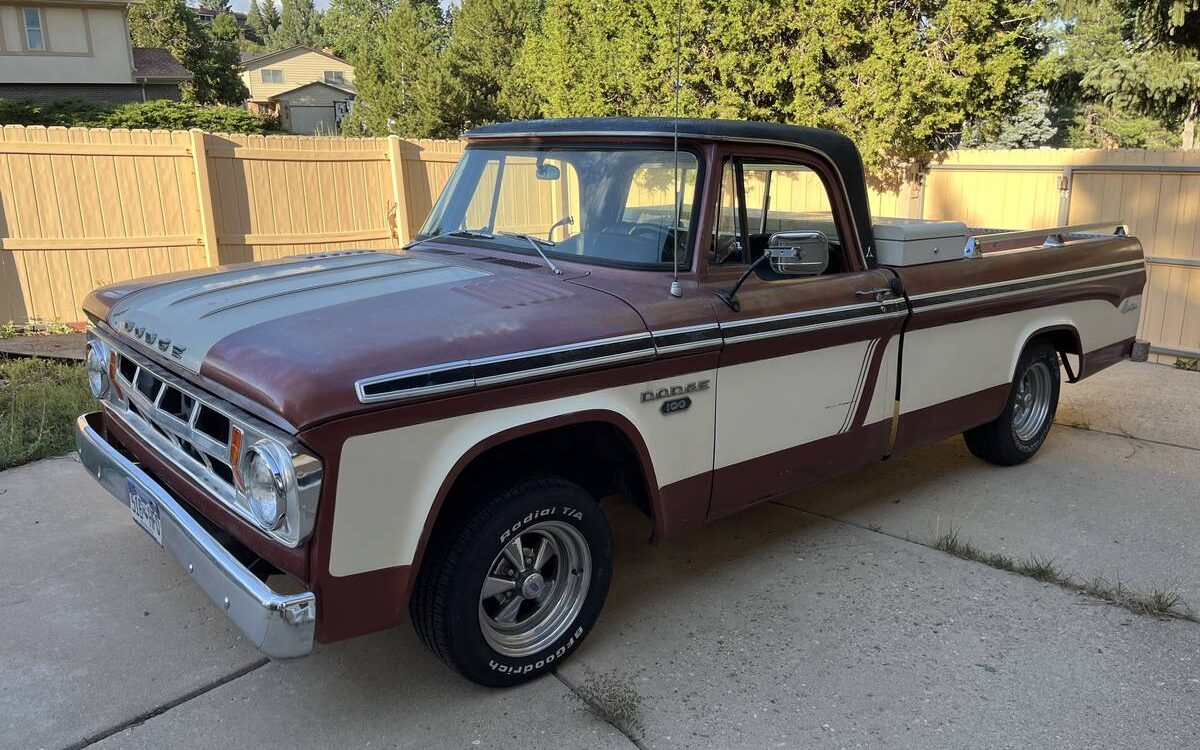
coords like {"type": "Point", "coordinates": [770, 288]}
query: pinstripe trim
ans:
{"type": "Point", "coordinates": [858, 389]}
{"type": "Point", "coordinates": [466, 374]}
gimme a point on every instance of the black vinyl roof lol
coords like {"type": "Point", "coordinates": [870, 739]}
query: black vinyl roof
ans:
{"type": "Point", "coordinates": [837, 148]}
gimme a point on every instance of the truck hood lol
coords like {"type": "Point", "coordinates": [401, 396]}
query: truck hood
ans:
{"type": "Point", "coordinates": [295, 336]}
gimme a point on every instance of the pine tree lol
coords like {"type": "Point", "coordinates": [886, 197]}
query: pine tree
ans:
{"type": "Point", "coordinates": [299, 24]}
{"type": "Point", "coordinates": [1122, 82]}
{"type": "Point", "coordinates": [400, 75]}
{"type": "Point", "coordinates": [256, 29]}
{"type": "Point", "coordinates": [1171, 28]}
{"type": "Point", "coordinates": [218, 6]}
{"type": "Point", "coordinates": [270, 15]}
{"type": "Point", "coordinates": [485, 41]}
{"type": "Point", "coordinates": [224, 84]}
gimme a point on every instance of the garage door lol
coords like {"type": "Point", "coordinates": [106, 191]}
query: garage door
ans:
{"type": "Point", "coordinates": [310, 120]}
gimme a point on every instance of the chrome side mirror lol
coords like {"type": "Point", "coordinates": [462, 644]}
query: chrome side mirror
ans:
{"type": "Point", "coordinates": [802, 253]}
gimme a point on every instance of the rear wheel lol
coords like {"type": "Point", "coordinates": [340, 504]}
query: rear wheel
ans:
{"type": "Point", "coordinates": [1022, 427]}
{"type": "Point", "coordinates": [513, 588]}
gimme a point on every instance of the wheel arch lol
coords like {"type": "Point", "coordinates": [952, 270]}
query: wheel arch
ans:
{"type": "Point", "coordinates": [484, 456]}
{"type": "Point", "coordinates": [1063, 335]}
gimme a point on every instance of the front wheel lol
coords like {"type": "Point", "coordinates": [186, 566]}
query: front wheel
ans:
{"type": "Point", "coordinates": [514, 588]}
{"type": "Point", "coordinates": [1022, 427]}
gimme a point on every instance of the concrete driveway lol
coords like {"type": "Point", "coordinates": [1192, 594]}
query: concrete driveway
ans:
{"type": "Point", "coordinates": [823, 620]}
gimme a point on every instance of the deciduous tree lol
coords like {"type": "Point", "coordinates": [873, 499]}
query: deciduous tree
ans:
{"type": "Point", "coordinates": [211, 57]}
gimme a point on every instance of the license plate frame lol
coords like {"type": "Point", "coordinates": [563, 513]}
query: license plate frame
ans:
{"type": "Point", "coordinates": [145, 511]}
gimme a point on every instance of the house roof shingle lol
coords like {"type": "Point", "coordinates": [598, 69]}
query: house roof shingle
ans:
{"type": "Point", "coordinates": [155, 63]}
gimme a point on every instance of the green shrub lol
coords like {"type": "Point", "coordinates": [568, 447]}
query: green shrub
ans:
{"type": "Point", "coordinates": [39, 400]}
{"type": "Point", "coordinates": [162, 113]}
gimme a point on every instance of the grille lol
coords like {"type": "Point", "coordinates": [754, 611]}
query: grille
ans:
{"type": "Point", "coordinates": [206, 438]}
{"type": "Point", "coordinates": [200, 432]}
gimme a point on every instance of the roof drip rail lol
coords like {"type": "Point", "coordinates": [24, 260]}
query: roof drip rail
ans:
{"type": "Point", "coordinates": [1051, 237]}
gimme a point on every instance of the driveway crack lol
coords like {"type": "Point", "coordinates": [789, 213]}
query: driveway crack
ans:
{"type": "Point", "coordinates": [162, 708]}
{"type": "Point", "coordinates": [627, 732]}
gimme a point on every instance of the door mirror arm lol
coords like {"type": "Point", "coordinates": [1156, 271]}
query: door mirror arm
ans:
{"type": "Point", "coordinates": [730, 295]}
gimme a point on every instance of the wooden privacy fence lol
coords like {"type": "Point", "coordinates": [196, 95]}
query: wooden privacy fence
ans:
{"type": "Point", "coordinates": [84, 207]}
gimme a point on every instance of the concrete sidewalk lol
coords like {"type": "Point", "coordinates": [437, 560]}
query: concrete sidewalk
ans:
{"type": "Point", "coordinates": [774, 628]}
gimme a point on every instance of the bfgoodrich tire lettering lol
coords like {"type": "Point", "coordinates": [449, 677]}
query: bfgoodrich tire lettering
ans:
{"type": "Point", "coordinates": [1028, 414]}
{"type": "Point", "coordinates": [513, 588]}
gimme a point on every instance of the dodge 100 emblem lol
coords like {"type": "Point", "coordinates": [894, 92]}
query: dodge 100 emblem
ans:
{"type": "Point", "coordinates": [674, 392]}
{"type": "Point", "coordinates": [675, 405]}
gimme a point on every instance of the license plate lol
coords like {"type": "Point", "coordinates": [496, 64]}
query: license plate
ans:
{"type": "Point", "coordinates": [145, 512]}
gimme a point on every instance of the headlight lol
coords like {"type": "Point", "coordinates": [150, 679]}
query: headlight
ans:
{"type": "Point", "coordinates": [97, 368]}
{"type": "Point", "coordinates": [268, 477]}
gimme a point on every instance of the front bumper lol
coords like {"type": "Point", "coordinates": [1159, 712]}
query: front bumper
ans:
{"type": "Point", "coordinates": [281, 626]}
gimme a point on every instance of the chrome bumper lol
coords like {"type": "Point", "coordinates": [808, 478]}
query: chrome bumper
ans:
{"type": "Point", "coordinates": [280, 626]}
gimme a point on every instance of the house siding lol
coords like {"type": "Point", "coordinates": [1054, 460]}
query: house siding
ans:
{"type": "Point", "coordinates": [299, 67]}
{"type": "Point", "coordinates": [88, 45]}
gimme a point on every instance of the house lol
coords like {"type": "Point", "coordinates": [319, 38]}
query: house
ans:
{"type": "Point", "coordinates": [206, 16]}
{"type": "Point", "coordinates": [308, 90]}
{"type": "Point", "coordinates": [67, 49]}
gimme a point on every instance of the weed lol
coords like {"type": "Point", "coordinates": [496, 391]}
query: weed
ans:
{"type": "Point", "coordinates": [611, 697]}
{"type": "Point", "coordinates": [39, 401]}
{"type": "Point", "coordinates": [1163, 602]}
{"type": "Point", "coordinates": [1041, 570]}
{"type": "Point", "coordinates": [34, 328]}
{"type": "Point", "coordinates": [1187, 363]}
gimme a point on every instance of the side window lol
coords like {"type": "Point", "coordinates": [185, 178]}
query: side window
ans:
{"type": "Point", "coordinates": [782, 197]}
{"type": "Point", "coordinates": [728, 233]}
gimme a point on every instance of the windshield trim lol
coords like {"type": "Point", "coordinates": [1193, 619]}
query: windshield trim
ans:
{"type": "Point", "coordinates": [512, 245]}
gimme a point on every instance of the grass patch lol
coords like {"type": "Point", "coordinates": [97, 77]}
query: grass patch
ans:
{"type": "Point", "coordinates": [1187, 363]}
{"type": "Point", "coordinates": [39, 401]}
{"type": "Point", "coordinates": [1163, 602]}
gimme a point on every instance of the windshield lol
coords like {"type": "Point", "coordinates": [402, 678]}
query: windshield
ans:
{"type": "Point", "coordinates": [600, 204]}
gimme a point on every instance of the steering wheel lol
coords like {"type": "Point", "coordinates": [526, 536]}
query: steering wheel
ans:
{"type": "Point", "coordinates": [652, 231]}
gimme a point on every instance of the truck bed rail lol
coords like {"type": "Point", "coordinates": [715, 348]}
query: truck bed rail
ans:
{"type": "Point", "coordinates": [1051, 236]}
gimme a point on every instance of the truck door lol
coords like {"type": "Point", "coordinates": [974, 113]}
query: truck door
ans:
{"type": "Point", "coordinates": [805, 381]}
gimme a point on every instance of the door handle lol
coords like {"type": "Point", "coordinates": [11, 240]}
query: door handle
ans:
{"type": "Point", "coordinates": [879, 294]}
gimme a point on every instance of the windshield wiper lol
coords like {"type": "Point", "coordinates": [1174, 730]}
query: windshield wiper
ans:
{"type": "Point", "coordinates": [536, 243]}
{"type": "Point", "coordinates": [467, 233]}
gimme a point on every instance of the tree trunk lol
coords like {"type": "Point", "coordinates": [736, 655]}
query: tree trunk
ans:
{"type": "Point", "coordinates": [1189, 126]}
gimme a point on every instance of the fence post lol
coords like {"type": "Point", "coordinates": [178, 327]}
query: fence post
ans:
{"type": "Point", "coordinates": [400, 205]}
{"type": "Point", "coordinates": [204, 198]}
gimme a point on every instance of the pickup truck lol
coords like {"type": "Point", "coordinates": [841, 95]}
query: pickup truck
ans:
{"type": "Point", "coordinates": [695, 315]}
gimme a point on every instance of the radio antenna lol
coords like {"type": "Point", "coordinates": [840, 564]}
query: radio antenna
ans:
{"type": "Point", "coordinates": [676, 291]}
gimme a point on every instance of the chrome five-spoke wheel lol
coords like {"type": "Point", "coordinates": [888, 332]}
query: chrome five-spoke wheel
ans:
{"type": "Point", "coordinates": [534, 588]}
{"type": "Point", "coordinates": [1031, 404]}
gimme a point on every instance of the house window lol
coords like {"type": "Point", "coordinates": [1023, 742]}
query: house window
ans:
{"type": "Point", "coordinates": [335, 77]}
{"type": "Point", "coordinates": [35, 37]}
{"type": "Point", "coordinates": [272, 75]}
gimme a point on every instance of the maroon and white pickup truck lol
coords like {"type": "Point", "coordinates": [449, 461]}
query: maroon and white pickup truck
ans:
{"type": "Point", "coordinates": [426, 433]}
